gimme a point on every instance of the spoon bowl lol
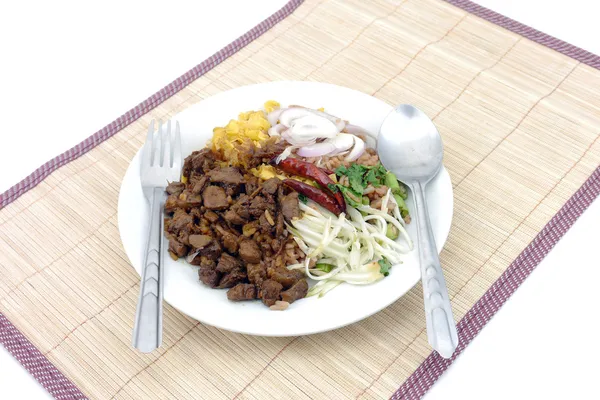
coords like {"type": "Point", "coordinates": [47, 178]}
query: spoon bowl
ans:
{"type": "Point", "coordinates": [409, 144]}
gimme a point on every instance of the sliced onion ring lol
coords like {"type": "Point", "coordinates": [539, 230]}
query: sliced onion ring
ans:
{"type": "Point", "coordinates": [342, 142]}
{"type": "Point", "coordinates": [273, 116]}
{"type": "Point", "coordinates": [291, 114]}
{"type": "Point", "coordinates": [291, 139]}
{"type": "Point", "coordinates": [339, 123]}
{"type": "Point", "coordinates": [277, 130]}
{"type": "Point", "coordinates": [317, 149]}
{"type": "Point", "coordinates": [358, 149]}
{"type": "Point", "coordinates": [358, 130]}
{"type": "Point", "coordinates": [355, 129]}
{"type": "Point", "coordinates": [313, 127]}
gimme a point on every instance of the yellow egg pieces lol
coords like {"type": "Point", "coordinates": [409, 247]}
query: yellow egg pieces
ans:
{"type": "Point", "coordinates": [271, 105]}
{"type": "Point", "coordinates": [241, 135]}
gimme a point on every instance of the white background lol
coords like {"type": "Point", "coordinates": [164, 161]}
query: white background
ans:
{"type": "Point", "coordinates": [88, 63]}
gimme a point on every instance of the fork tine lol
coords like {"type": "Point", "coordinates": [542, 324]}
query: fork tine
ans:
{"type": "Point", "coordinates": [177, 161]}
{"type": "Point", "coordinates": [157, 148]}
{"type": "Point", "coordinates": [166, 154]}
{"type": "Point", "coordinates": [147, 150]}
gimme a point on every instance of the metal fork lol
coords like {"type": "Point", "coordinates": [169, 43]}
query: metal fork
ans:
{"type": "Point", "coordinates": [161, 162]}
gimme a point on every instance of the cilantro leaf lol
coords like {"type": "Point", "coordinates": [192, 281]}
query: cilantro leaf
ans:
{"type": "Point", "coordinates": [371, 177]}
{"type": "Point", "coordinates": [341, 170]}
{"type": "Point", "coordinates": [333, 187]}
{"type": "Point", "coordinates": [302, 198]}
{"type": "Point", "coordinates": [361, 176]}
{"type": "Point", "coordinates": [381, 171]}
{"type": "Point", "coordinates": [384, 266]}
{"type": "Point", "coordinates": [355, 176]}
{"type": "Point", "coordinates": [352, 198]}
{"type": "Point", "coordinates": [356, 183]}
{"type": "Point", "coordinates": [377, 173]}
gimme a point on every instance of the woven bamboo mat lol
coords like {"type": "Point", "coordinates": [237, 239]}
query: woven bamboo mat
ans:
{"type": "Point", "coordinates": [520, 127]}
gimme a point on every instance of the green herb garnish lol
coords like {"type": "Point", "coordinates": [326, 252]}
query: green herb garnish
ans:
{"type": "Point", "coordinates": [341, 170]}
{"type": "Point", "coordinates": [360, 176]}
{"type": "Point", "coordinates": [372, 178]}
{"type": "Point", "coordinates": [352, 198]}
{"type": "Point", "coordinates": [355, 176]}
{"type": "Point", "coordinates": [384, 266]}
{"type": "Point", "coordinates": [302, 198]}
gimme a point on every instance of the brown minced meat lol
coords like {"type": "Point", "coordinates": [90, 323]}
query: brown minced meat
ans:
{"type": "Point", "coordinates": [232, 225]}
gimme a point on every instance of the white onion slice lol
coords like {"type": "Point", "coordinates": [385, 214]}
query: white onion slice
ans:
{"type": "Point", "coordinates": [359, 130]}
{"type": "Point", "coordinates": [337, 145]}
{"type": "Point", "coordinates": [287, 135]}
{"type": "Point", "coordinates": [355, 129]}
{"type": "Point", "coordinates": [342, 142]}
{"type": "Point", "coordinates": [277, 130]}
{"type": "Point", "coordinates": [317, 149]}
{"type": "Point", "coordinates": [291, 114]}
{"type": "Point", "coordinates": [339, 123]}
{"type": "Point", "coordinates": [308, 129]}
{"type": "Point", "coordinates": [313, 127]}
{"type": "Point", "coordinates": [273, 116]}
{"type": "Point", "coordinates": [358, 149]}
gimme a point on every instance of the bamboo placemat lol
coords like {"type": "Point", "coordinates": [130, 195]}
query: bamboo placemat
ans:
{"type": "Point", "coordinates": [520, 127]}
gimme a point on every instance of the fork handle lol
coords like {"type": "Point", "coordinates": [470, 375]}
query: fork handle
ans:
{"type": "Point", "coordinates": [147, 331]}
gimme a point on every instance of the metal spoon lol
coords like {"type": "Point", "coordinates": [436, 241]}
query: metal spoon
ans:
{"type": "Point", "coordinates": [410, 146]}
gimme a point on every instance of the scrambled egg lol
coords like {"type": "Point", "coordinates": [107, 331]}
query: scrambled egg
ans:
{"type": "Point", "coordinates": [242, 135]}
{"type": "Point", "coordinates": [265, 172]}
{"type": "Point", "coordinates": [271, 105]}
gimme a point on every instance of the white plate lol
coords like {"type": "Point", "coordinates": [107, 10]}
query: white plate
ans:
{"type": "Point", "coordinates": [342, 306]}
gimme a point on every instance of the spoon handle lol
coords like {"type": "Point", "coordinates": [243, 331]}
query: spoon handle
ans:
{"type": "Point", "coordinates": [441, 329]}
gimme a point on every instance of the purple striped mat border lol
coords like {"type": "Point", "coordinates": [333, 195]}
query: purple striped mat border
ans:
{"type": "Point", "coordinates": [36, 363]}
{"type": "Point", "coordinates": [431, 369]}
